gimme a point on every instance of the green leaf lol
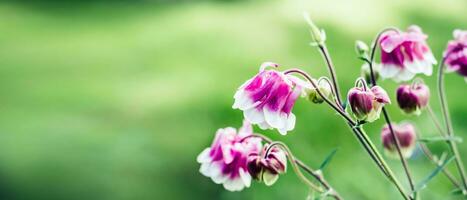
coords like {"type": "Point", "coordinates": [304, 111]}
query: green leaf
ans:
{"type": "Point", "coordinates": [328, 159]}
{"type": "Point", "coordinates": [456, 191]}
{"type": "Point", "coordinates": [425, 181]}
{"type": "Point", "coordinates": [440, 139]}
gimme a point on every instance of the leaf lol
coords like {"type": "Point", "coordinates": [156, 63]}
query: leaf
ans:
{"type": "Point", "coordinates": [425, 181]}
{"type": "Point", "coordinates": [456, 191]}
{"type": "Point", "coordinates": [440, 139]}
{"type": "Point", "coordinates": [328, 159]}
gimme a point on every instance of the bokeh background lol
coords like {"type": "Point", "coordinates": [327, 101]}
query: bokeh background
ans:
{"type": "Point", "coordinates": [115, 99]}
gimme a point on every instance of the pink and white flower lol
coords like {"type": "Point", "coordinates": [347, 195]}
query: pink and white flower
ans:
{"type": "Point", "coordinates": [225, 162]}
{"type": "Point", "coordinates": [405, 54]}
{"type": "Point", "coordinates": [456, 53]}
{"type": "Point", "coordinates": [268, 98]}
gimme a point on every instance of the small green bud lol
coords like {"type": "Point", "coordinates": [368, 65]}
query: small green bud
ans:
{"type": "Point", "coordinates": [361, 48]}
{"type": "Point", "coordinates": [314, 96]}
{"type": "Point", "coordinates": [318, 35]}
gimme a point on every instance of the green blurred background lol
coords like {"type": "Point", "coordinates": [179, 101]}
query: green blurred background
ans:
{"type": "Point", "coordinates": [115, 99]}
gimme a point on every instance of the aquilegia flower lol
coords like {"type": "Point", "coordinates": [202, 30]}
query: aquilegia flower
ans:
{"type": "Point", "coordinates": [268, 98]}
{"type": "Point", "coordinates": [366, 104]}
{"type": "Point", "coordinates": [405, 54]}
{"type": "Point", "coordinates": [405, 134]}
{"type": "Point", "coordinates": [267, 168]}
{"type": "Point", "coordinates": [412, 99]}
{"type": "Point", "coordinates": [456, 53]}
{"type": "Point", "coordinates": [225, 162]}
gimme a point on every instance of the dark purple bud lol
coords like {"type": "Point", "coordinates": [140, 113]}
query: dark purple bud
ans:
{"type": "Point", "coordinates": [361, 102]}
{"type": "Point", "coordinates": [267, 169]}
{"type": "Point", "coordinates": [412, 99]}
{"type": "Point", "coordinates": [405, 134]}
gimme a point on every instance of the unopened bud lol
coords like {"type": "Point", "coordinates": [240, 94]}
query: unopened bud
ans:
{"type": "Point", "coordinates": [411, 99]}
{"type": "Point", "coordinates": [267, 169]}
{"type": "Point", "coordinates": [361, 48]}
{"type": "Point", "coordinates": [366, 104]}
{"type": "Point", "coordinates": [325, 90]}
{"type": "Point", "coordinates": [405, 134]}
{"type": "Point", "coordinates": [318, 35]}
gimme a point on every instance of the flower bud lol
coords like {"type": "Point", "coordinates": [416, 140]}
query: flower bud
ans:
{"type": "Point", "coordinates": [324, 88]}
{"type": "Point", "coordinates": [366, 72]}
{"type": "Point", "coordinates": [318, 36]}
{"type": "Point", "coordinates": [361, 48]}
{"type": "Point", "coordinates": [366, 104]}
{"type": "Point", "coordinates": [405, 134]}
{"type": "Point", "coordinates": [411, 99]}
{"type": "Point", "coordinates": [267, 169]}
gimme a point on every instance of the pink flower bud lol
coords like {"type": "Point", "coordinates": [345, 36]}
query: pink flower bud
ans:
{"type": "Point", "coordinates": [405, 54]}
{"type": "Point", "coordinates": [405, 134]}
{"type": "Point", "coordinates": [456, 53]}
{"type": "Point", "coordinates": [366, 104]}
{"type": "Point", "coordinates": [267, 169]}
{"type": "Point", "coordinates": [412, 99]}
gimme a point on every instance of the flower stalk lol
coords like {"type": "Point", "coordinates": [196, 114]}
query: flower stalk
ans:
{"type": "Point", "coordinates": [448, 124]}
{"type": "Point", "coordinates": [314, 173]}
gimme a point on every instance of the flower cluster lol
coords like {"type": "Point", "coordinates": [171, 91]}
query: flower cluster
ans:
{"type": "Point", "coordinates": [235, 158]}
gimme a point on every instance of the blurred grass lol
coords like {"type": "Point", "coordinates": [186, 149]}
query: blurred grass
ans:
{"type": "Point", "coordinates": [114, 100]}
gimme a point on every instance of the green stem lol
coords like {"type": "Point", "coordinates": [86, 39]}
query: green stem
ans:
{"type": "Point", "coordinates": [294, 165]}
{"type": "Point", "coordinates": [386, 115]}
{"type": "Point", "coordinates": [448, 123]}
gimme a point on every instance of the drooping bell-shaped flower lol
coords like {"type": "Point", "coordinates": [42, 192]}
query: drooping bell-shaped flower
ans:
{"type": "Point", "coordinates": [456, 53]}
{"type": "Point", "coordinates": [267, 168]}
{"type": "Point", "coordinates": [366, 104]}
{"type": "Point", "coordinates": [268, 98]}
{"type": "Point", "coordinates": [412, 98]}
{"type": "Point", "coordinates": [405, 54]}
{"type": "Point", "coordinates": [405, 134]}
{"type": "Point", "coordinates": [225, 162]}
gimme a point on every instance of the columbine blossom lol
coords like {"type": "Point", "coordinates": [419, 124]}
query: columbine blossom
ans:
{"type": "Point", "coordinates": [411, 99]}
{"type": "Point", "coordinates": [405, 134]}
{"type": "Point", "coordinates": [267, 168]}
{"type": "Point", "coordinates": [456, 53]}
{"type": "Point", "coordinates": [225, 162]}
{"type": "Point", "coordinates": [366, 104]}
{"type": "Point", "coordinates": [268, 98]}
{"type": "Point", "coordinates": [405, 54]}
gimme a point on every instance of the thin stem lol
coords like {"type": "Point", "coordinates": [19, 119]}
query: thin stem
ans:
{"type": "Point", "coordinates": [333, 90]}
{"type": "Point", "coordinates": [430, 157]}
{"type": "Point", "coordinates": [448, 123]}
{"type": "Point", "coordinates": [385, 113]}
{"type": "Point", "coordinates": [391, 176]}
{"type": "Point", "coordinates": [324, 51]}
{"type": "Point", "coordinates": [403, 161]}
{"type": "Point", "coordinates": [294, 165]}
{"type": "Point", "coordinates": [317, 175]}
{"type": "Point", "coordinates": [337, 108]}
{"type": "Point", "coordinates": [435, 121]}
